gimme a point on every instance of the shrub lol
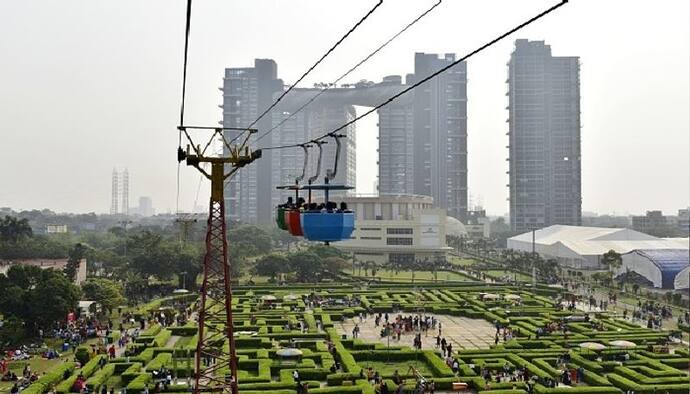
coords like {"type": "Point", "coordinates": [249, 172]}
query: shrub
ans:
{"type": "Point", "coordinates": [100, 377]}
{"type": "Point", "coordinates": [45, 382]}
{"type": "Point", "coordinates": [92, 366]}
{"type": "Point", "coordinates": [113, 337]}
{"type": "Point", "coordinates": [130, 373]}
{"type": "Point", "coordinates": [139, 383]}
{"type": "Point", "coordinates": [82, 354]}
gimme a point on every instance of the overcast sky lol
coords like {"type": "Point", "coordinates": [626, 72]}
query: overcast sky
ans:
{"type": "Point", "coordinates": [89, 85]}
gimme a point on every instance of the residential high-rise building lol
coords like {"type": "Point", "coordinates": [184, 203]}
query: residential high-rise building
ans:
{"type": "Point", "coordinates": [425, 129]}
{"type": "Point", "coordinates": [115, 193]}
{"type": "Point", "coordinates": [440, 133]}
{"type": "Point", "coordinates": [544, 137]}
{"type": "Point", "coordinates": [396, 145]}
{"type": "Point", "coordinates": [248, 92]}
{"type": "Point", "coordinates": [125, 193]}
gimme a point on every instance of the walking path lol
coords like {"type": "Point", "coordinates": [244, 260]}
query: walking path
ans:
{"type": "Point", "coordinates": [461, 332]}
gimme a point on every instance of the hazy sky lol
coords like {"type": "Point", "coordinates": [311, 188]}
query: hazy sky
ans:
{"type": "Point", "coordinates": [92, 84]}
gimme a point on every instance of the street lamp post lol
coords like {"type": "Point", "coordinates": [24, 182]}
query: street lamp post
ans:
{"type": "Point", "coordinates": [184, 279]}
{"type": "Point", "coordinates": [124, 224]}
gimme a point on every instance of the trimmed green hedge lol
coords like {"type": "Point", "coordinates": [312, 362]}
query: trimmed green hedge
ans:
{"type": "Point", "coordinates": [100, 377]}
{"type": "Point", "coordinates": [50, 379]}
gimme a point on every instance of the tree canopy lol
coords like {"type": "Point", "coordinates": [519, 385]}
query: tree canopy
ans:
{"type": "Point", "coordinates": [13, 229]}
{"type": "Point", "coordinates": [106, 292]}
{"type": "Point", "coordinates": [37, 297]}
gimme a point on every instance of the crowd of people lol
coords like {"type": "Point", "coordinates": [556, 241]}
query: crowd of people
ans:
{"type": "Point", "coordinates": [400, 325]}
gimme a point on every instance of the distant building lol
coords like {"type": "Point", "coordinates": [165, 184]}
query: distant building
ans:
{"type": "Point", "coordinates": [145, 207]}
{"type": "Point", "coordinates": [396, 228]}
{"type": "Point", "coordinates": [582, 247]}
{"type": "Point", "coordinates": [544, 137]}
{"type": "Point", "coordinates": [56, 264]}
{"type": "Point", "coordinates": [124, 208]}
{"type": "Point", "coordinates": [477, 225]}
{"type": "Point", "coordinates": [606, 221]}
{"type": "Point", "coordinates": [115, 193]}
{"type": "Point", "coordinates": [656, 223]}
{"type": "Point", "coordinates": [684, 220]}
{"type": "Point", "coordinates": [119, 192]}
{"type": "Point", "coordinates": [56, 229]}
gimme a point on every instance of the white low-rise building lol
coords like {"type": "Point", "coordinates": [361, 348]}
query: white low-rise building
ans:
{"type": "Point", "coordinates": [396, 228]}
{"type": "Point", "coordinates": [582, 247]}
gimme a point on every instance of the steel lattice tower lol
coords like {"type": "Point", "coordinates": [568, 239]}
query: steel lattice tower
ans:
{"type": "Point", "coordinates": [215, 368]}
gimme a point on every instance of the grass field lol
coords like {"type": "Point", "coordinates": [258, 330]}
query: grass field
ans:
{"type": "Point", "coordinates": [388, 369]}
{"type": "Point", "coordinates": [512, 274]}
{"type": "Point", "coordinates": [460, 262]}
{"type": "Point", "coordinates": [406, 276]}
{"type": "Point", "coordinates": [38, 365]}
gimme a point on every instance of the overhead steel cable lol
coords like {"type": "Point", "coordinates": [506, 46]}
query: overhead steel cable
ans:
{"type": "Point", "coordinates": [431, 76]}
{"type": "Point", "coordinates": [184, 91]}
{"type": "Point", "coordinates": [325, 55]}
{"type": "Point", "coordinates": [348, 72]}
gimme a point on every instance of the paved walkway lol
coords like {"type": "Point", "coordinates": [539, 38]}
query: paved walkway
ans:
{"type": "Point", "coordinates": [462, 332]}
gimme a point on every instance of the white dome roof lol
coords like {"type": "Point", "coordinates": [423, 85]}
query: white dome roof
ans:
{"type": "Point", "coordinates": [455, 227]}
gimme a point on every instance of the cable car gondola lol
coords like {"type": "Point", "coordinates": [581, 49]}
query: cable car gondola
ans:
{"type": "Point", "coordinates": [327, 222]}
{"type": "Point", "coordinates": [288, 215]}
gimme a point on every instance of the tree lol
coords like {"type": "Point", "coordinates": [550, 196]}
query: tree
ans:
{"type": "Point", "coordinates": [13, 230]}
{"type": "Point", "coordinates": [150, 255]}
{"type": "Point", "coordinates": [106, 292]}
{"type": "Point", "coordinates": [636, 288]}
{"type": "Point", "coordinates": [612, 260]}
{"type": "Point", "coordinates": [271, 265]}
{"type": "Point", "coordinates": [333, 265]}
{"type": "Point", "coordinates": [12, 332]}
{"type": "Point", "coordinates": [37, 297]}
{"type": "Point", "coordinates": [306, 265]}
{"type": "Point", "coordinates": [76, 254]}
{"type": "Point", "coordinates": [249, 240]}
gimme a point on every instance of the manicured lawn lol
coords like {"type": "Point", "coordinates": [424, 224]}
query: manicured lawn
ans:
{"type": "Point", "coordinates": [406, 276]}
{"type": "Point", "coordinates": [461, 262]}
{"type": "Point", "coordinates": [388, 369]}
{"type": "Point", "coordinates": [513, 275]}
{"type": "Point", "coordinates": [37, 364]}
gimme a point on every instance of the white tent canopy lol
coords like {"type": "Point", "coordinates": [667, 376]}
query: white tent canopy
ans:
{"type": "Point", "coordinates": [665, 268]}
{"type": "Point", "coordinates": [582, 247]}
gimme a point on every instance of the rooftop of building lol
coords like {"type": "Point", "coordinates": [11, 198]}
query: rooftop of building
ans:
{"type": "Point", "coordinates": [599, 240]}
{"type": "Point", "coordinates": [388, 198]}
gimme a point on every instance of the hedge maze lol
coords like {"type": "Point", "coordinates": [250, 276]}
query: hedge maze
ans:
{"type": "Point", "coordinates": [265, 326]}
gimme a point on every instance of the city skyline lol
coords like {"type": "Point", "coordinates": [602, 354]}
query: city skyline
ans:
{"type": "Point", "coordinates": [142, 85]}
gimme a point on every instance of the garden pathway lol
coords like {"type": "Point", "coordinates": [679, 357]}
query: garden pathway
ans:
{"type": "Point", "coordinates": [462, 332]}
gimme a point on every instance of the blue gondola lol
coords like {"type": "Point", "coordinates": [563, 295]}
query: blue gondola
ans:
{"type": "Point", "coordinates": [327, 226]}
{"type": "Point", "coordinates": [327, 223]}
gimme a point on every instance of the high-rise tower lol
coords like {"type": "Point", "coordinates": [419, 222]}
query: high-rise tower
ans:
{"type": "Point", "coordinates": [125, 193]}
{"type": "Point", "coordinates": [115, 196]}
{"type": "Point", "coordinates": [248, 92]}
{"type": "Point", "coordinates": [422, 135]}
{"type": "Point", "coordinates": [544, 135]}
{"type": "Point", "coordinates": [440, 133]}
